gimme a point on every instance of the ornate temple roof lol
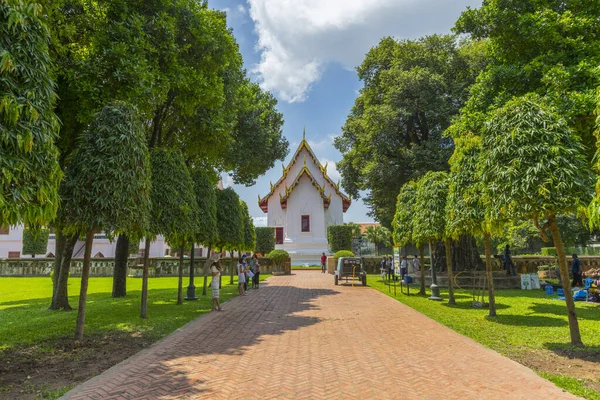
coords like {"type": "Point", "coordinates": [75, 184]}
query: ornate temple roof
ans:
{"type": "Point", "coordinates": [263, 202]}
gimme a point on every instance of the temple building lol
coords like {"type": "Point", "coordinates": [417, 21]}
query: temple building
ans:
{"type": "Point", "coordinates": [302, 204]}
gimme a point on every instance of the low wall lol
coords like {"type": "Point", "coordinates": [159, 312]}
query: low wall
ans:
{"type": "Point", "coordinates": [166, 266]}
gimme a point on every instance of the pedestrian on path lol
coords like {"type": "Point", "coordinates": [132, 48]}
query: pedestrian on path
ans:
{"type": "Point", "coordinates": [323, 263]}
{"type": "Point", "coordinates": [416, 264]}
{"type": "Point", "coordinates": [256, 278]}
{"type": "Point", "coordinates": [241, 276]}
{"type": "Point", "coordinates": [215, 270]}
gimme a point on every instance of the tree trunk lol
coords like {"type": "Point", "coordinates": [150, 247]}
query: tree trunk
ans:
{"type": "Point", "coordinates": [206, 271]}
{"type": "Point", "coordinates": [180, 280]}
{"type": "Point", "coordinates": [144, 308]}
{"type": "Point", "coordinates": [448, 246]}
{"type": "Point", "coordinates": [85, 273]}
{"type": "Point", "coordinates": [422, 258]}
{"type": "Point", "coordinates": [490, 275]}
{"type": "Point", "coordinates": [60, 300]}
{"type": "Point", "coordinates": [61, 240]}
{"type": "Point", "coordinates": [232, 268]}
{"type": "Point", "coordinates": [465, 255]}
{"type": "Point", "coordinates": [120, 269]}
{"type": "Point", "coordinates": [564, 273]}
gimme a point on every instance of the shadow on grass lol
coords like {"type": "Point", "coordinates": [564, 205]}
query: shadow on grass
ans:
{"type": "Point", "coordinates": [528, 320]}
{"type": "Point", "coordinates": [559, 308]}
{"type": "Point", "coordinates": [468, 304]}
{"type": "Point", "coordinates": [178, 363]}
{"type": "Point", "coordinates": [587, 353]}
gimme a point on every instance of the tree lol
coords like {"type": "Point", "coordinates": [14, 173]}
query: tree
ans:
{"type": "Point", "coordinates": [265, 239]}
{"type": "Point", "coordinates": [107, 184]}
{"type": "Point", "coordinates": [278, 257]}
{"type": "Point", "coordinates": [430, 218]}
{"type": "Point", "coordinates": [535, 167]}
{"type": "Point", "coordinates": [174, 210]}
{"type": "Point", "coordinates": [378, 235]}
{"type": "Point", "coordinates": [28, 126]}
{"type": "Point", "coordinates": [403, 224]}
{"type": "Point", "coordinates": [544, 47]}
{"type": "Point", "coordinates": [230, 221]}
{"type": "Point", "coordinates": [465, 210]}
{"type": "Point", "coordinates": [205, 187]}
{"type": "Point", "coordinates": [394, 133]}
{"type": "Point", "coordinates": [356, 232]}
{"type": "Point", "coordinates": [249, 234]}
{"type": "Point", "coordinates": [35, 241]}
{"type": "Point", "coordinates": [339, 237]}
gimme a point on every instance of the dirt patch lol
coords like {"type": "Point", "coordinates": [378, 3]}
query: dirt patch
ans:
{"type": "Point", "coordinates": [48, 369]}
{"type": "Point", "coordinates": [584, 366]}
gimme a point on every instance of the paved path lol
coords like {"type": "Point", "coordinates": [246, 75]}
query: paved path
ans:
{"type": "Point", "coordinates": [301, 337]}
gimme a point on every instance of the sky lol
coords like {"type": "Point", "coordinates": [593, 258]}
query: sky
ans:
{"type": "Point", "coordinates": [306, 51]}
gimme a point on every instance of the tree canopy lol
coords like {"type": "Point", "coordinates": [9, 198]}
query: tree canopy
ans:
{"type": "Point", "coordinates": [229, 215]}
{"type": "Point", "coordinates": [205, 187]}
{"type": "Point", "coordinates": [28, 125]}
{"type": "Point", "coordinates": [249, 234]}
{"type": "Point", "coordinates": [430, 207]}
{"type": "Point", "coordinates": [394, 133]}
{"type": "Point", "coordinates": [404, 216]}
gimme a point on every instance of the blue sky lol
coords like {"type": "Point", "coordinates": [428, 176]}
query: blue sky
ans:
{"type": "Point", "coordinates": [305, 52]}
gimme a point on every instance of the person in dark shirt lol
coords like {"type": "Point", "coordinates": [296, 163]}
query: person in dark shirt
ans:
{"type": "Point", "coordinates": [577, 271]}
{"type": "Point", "coordinates": [508, 262]}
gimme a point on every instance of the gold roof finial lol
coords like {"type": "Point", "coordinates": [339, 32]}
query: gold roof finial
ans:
{"type": "Point", "coordinates": [304, 134]}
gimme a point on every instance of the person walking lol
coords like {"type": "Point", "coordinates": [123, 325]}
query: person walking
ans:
{"type": "Point", "coordinates": [241, 276]}
{"type": "Point", "coordinates": [577, 271]}
{"type": "Point", "coordinates": [416, 264]}
{"type": "Point", "coordinates": [403, 267]}
{"type": "Point", "coordinates": [215, 270]}
{"type": "Point", "coordinates": [246, 277]}
{"type": "Point", "coordinates": [256, 277]}
{"type": "Point", "coordinates": [323, 263]}
{"type": "Point", "coordinates": [508, 262]}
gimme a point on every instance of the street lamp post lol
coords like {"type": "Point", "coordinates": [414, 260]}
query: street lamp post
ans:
{"type": "Point", "coordinates": [191, 289]}
{"type": "Point", "coordinates": [435, 289]}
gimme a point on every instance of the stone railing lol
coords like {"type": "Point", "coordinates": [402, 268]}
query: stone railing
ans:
{"type": "Point", "coordinates": [166, 266]}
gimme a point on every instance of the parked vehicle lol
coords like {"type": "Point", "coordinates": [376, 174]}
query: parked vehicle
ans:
{"type": "Point", "coordinates": [350, 268]}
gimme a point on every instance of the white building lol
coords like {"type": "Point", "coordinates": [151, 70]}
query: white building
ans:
{"type": "Point", "coordinates": [11, 245]}
{"type": "Point", "coordinates": [302, 204]}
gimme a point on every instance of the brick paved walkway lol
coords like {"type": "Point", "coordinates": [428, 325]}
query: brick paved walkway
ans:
{"type": "Point", "coordinates": [301, 337]}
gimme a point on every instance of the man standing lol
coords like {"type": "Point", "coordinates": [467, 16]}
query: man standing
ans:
{"type": "Point", "coordinates": [416, 264]}
{"type": "Point", "coordinates": [508, 262]}
{"type": "Point", "coordinates": [577, 271]}
{"type": "Point", "coordinates": [323, 263]}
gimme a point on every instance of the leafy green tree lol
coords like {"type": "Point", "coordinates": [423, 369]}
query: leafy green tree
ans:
{"type": "Point", "coordinates": [394, 133]}
{"type": "Point", "coordinates": [35, 241]}
{"type": "Point", "coordinates": [535, 167]}
{"type": "Point", "coordinates": [465, 210]}
{"type": "Point", "coordinates": [230, 222]}
{"type": "Point", "coordinates": [429, 223]}
{"type": "Point", "coordinates": [249, 234]}
{"type": "Point", "coordinates": [205, 187]}
{"type": "Point", "coordinates": [378, 235]}
{"type": "Point", "coordinates": [107, 184]}
{"type": "Point", "coordinates": [174, 210]}
{"type": "Point", "coordinates": [403, 224]}
{"type": "Point", "coordinates": [28, 126]}
{"type": "Point", "coordinates": [265, 239]}
{"type": "Point", "coordinates": [339, 237]}
{"type": "Point", "coordinates": [544, 47]}
{"type": "Point", "coordinates": [355, 229]}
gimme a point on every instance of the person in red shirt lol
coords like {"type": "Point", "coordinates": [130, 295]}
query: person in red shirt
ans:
{"type": "Point", "coordinates": [323, 263]}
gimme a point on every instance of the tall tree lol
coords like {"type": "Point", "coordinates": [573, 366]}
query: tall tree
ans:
{"type": "Point", "coordinates": [174, 210]}
{"type": "Point", "coordinates": [28, 125]}
{"type": "Point", "coordinates": [430, 218]}
{"type": "Point", "coordinates": [394, 133]}
{"type": "Point", "coordinates": [378, 235]}
{"type": "Point", "coordinates": [249, 234]}
{"type": "Point", "coordinates": [535, 167]}
{"type": "Point", "coordinates": [107, 184]}
{"type": "Point", "coordinates": [465, 210]}
{"type": "Point", "coordinates": [230, 221]}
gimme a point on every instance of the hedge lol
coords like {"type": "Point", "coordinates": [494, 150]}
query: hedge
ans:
{"type": "Point", "coordinates": [35, 242]}
{"type": "Point", "coordinates": [339, 237]}
{"type": "Point", "coordinates": [343, 253]}
{"type": "Point", "coordinates": [265, 239]}
{"type": "Point", "coordinates": [549, 251]}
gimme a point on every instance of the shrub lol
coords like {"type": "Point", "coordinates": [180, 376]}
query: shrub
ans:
{"type": "Point", "coordinates": [35, 242]}
{"type": "Point", "coordinates": [278, 257]}
{"type": "Point", "coordinates": [339, 237]}
{"type": "Point", "coordinates": [549, 251]}
{"type": "Point", "coordinates": [265, 239]}
{"type": "Point", "coordinates": [343, 253]}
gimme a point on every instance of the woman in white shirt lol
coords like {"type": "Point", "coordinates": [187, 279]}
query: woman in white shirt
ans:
{"type": "Point", "coordinates": [241, 277]}
{"type": "Point", "coordinates": [215, 270]}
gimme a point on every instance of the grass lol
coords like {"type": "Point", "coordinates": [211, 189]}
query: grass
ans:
{"type": "Point", "coordinates": [25, 319]}
{"type": "Point", "coordinates": [528, 322]}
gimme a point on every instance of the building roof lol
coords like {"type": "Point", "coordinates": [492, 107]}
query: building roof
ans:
{"type": "Point", "coordinates": [263, 202]}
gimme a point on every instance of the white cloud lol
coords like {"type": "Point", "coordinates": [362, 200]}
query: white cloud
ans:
{"type": "Point", "coordinates": [241, 9]}
{"type": "Point", "coordinates": [332, 171]}
{"type": "Point", "coordinates": [228, 181]}
{"type": "Point", "coordinates": [320, 145]}
{"type": "Point", "coordinates": [298, 38]}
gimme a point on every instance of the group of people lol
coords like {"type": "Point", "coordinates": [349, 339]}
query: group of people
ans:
{"type": "Point", "coordinates": [392, 271]}
{"type": "Point", "coordinates": [248, 273]}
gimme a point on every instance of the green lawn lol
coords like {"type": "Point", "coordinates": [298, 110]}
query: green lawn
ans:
{"type": "Point", "coordinates": [527, 321]}
{"type": "Point", "coordinates": [25, 319]}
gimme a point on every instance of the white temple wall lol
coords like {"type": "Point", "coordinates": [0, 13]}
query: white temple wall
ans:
{"type": "Point", "coordinates": [334, 215]}
{"type": "Point", "coordinates": [305, 199]}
